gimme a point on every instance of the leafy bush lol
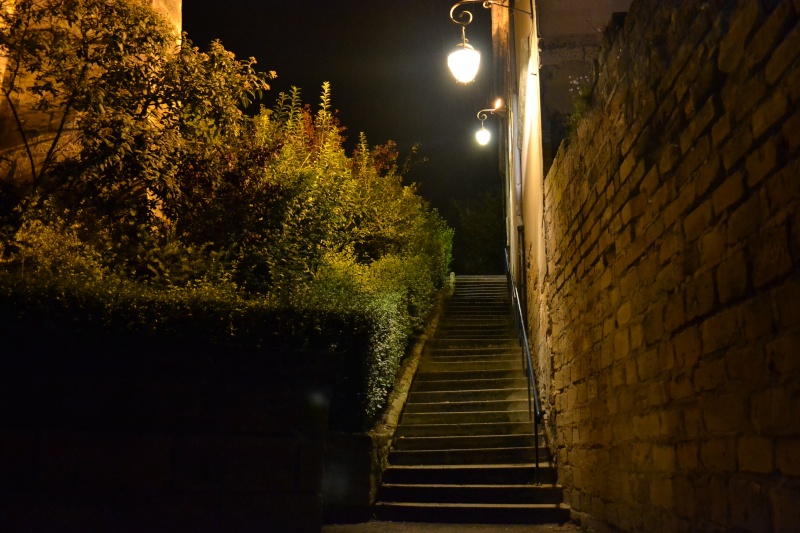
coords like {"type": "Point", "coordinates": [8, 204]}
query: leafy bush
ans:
{"type": "Point", "coordinates": [581, 90]}
{"type": "Point", "coordinates": [170, 217]}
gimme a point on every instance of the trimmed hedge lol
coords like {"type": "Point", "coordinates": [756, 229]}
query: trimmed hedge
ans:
{"type": "Point", "coordinates": [355, 343]}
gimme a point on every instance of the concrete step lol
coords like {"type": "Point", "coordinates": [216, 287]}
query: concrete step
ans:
{"type": "Point", "coordinates": [466, 456]}
{"type": "Point", "coordinates": [464, 375]}
{"type": "Point", "coordinates": [451, 396]}
{"type": "Point", "coordinates": [481, 288]}
{"type": "Point", "coordinates": [432, 366]}
{"type": "Point", "coordinates": [493, 320]}
{"type": "Point", "coordinates": [506, 324]}
{"type": "Point", "coordinates": [490, 297]}
{"type": "Point", "coordinates": [497, 291]}
{"type": "Point", "coordinates": [490, 428]}
{"type": "Point", "coordinates": [470, 350]}
{"type": "Point", "coordinates": [477, 300]}
{"type": "Point", "coordinates": [476, 324]}
{"type": "Point", "coordinates": [490, 325]}
{"type": "Point", "coordinates": [464, 442]}
{"type": "Point", "coordinates": [472, 360]}
{"type": "Point", "coordinates": [472, 513]}
{"type": "Point", "coordinates": [461, 343]}
{"type": "Point", "coordinates": [478, 310]}
{"type": "Point", "coordinates": [492, 493]}
{"type": "Point", "coordinates": [466, 406]}
{"type": "Point", "coordinates": [484, 300]}
{"type": "Point", "coordinates": [476, 417]}
{"type": "Point", "coordinates": [443, 358]}
{"type": "Point", "coordinates": [457, 356]}
{"type": "Point", "coordinates": [471, 474]}
{"type": "Point", "coordinates": [467, 385]}
{"type": "Point", "coordinates": [500, 289]}
{"type": "Point", "coordinates": [488, 321]}
{"type": "Point", "coordinates": [465, 334]}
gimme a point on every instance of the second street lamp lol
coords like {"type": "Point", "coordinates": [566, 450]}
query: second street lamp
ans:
{"type": "Point", "coordinates": [483, 135]}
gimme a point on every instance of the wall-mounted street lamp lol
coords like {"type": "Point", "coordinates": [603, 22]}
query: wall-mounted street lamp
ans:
{"type": "Point", "coordinates": [465, 60]}
{"type": "Point", "coordinates": [483, 135]}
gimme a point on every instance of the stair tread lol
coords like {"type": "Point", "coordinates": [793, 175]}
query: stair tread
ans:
{"type": "Point", "coordinates": [474, 485]}
{"type": "Point", "coordinates": [493, 389]}
{"type": "Point", "coordinates": [473, 359]}
{"type": "Point", "coordinates": [490, 448]}
{"type": "Point", "coordinates": [475, 428]}
{"type": "Point", "coordinates": [474, 412]}
{"type": "Point", "coordinates": [469, 402]}
{"type": "Point", "coordinates": [486, 437]}
{"type": "Point", "coordinates": [479, 505]}
{"type": "Point", "coordinates": [474, 381]}
{"type": "Point", "coordinates": [460, 355]}
{"type": "Point", "coordinates": [457, 391]}
{"type": "Point", "coordinates": [478, 466]}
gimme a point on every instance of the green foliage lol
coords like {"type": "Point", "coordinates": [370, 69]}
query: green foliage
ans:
{"type": "Point", "coordinates": [179, 218]}
{"type": "Point", "coordinates": [54, 250]}
{"type": "Point", "coordinates": [76, 56]}
{"type": "Point", "coordinates": [133, 105]}
{"type": "Point", "coordinates": [581, 89]}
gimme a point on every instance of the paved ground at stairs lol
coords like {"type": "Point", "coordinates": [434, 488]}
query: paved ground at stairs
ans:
{"type": "Point", "coordinates": [411, 527]}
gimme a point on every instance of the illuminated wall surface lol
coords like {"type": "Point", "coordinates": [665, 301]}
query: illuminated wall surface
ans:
{"type": "Point", "coordinates": [667, 324]}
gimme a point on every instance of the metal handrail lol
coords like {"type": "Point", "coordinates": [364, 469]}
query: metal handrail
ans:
{"type": "Point", "coordinates": [534, 407]}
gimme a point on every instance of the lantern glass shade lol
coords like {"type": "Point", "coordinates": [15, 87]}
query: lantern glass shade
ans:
{"type": "Point", "coordinates": [483, 136]}
{"type": "Point", "coordinates": [464, 63]}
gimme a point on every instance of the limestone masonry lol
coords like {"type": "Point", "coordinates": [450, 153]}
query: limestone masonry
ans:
{"type": "Point", "coordinates": [667, 325]}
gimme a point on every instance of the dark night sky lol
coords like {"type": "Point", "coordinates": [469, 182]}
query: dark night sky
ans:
{"type": "Point", "coordinates": [386, 61]}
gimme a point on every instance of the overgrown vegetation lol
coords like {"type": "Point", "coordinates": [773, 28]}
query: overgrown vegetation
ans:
{"type": "Point", "coordinates": [161, 210]}
{"type": "Point", "coordinates": [581, 89]}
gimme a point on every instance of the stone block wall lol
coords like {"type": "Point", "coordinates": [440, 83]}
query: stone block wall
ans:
{"type": "Point", "coordinates": [159, 441]}
{"type": "Point", "coordinates": [668, 325]}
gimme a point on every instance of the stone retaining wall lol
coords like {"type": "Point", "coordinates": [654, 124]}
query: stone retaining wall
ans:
{"type": "Point", "coordinates": [667, 327]}
{"type": "Point", "coordinates": [132, 442]}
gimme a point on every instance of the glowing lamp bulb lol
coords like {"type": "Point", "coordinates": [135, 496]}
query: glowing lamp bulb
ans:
{"type": "Point", "coordinates": [483, 136]}
{"type": "Point", "coordinates": [464, 63]}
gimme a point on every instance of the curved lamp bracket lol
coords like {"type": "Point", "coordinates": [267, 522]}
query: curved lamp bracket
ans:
{"type": "Point", "coordinates": [498, 105]}
{"type": "Point", "coordinates": [465, 61]}
{"type": "Point", "coordinates": [464, 18]}
{"type": "Point", "coordinates": [483, 135]}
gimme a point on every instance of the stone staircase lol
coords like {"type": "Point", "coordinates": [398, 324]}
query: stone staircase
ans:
{"type": "Point", "coordinates": [464, 449]}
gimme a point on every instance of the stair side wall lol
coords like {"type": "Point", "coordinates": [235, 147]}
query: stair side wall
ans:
{"type": "Point", "coordinates": [667, 325]}
{"type": "Point", "coordinates": [128, 440]}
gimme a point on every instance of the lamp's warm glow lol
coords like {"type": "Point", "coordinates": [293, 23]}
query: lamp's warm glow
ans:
{"type": "Point", "coordinates": [498, 104]}
{"type": "Point", "coordinates": [483, 136]}
{"type": "Point", "coordinates": [464, 63]}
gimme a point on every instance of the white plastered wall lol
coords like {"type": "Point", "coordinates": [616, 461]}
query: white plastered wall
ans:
{"type": "Point", "coordinates": [530, 190]}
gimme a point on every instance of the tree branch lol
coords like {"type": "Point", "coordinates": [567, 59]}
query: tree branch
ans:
{"type": "Point", "coordinates": [59, 132]}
